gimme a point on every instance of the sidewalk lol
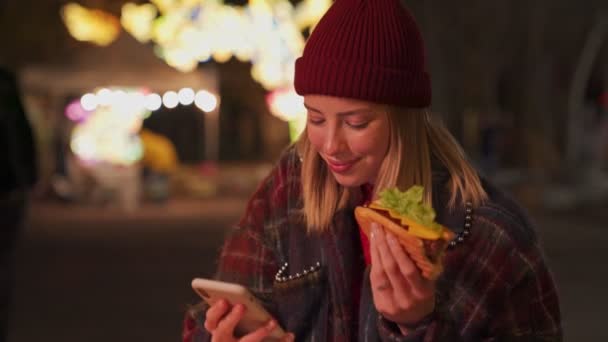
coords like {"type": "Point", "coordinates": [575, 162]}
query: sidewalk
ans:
{"type": "Point", "coordinates": [198, 192]}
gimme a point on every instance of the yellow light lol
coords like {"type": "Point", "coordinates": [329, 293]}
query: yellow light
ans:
{"type": "Point", "coordinates": [159, 151]}
{"type": "Point", "coordinates": [265, 32]}
{"type": "Point", "coordinates": [231, 26]}
{"type": "Point", "coordinates": [180, 59]}
{"type": "Point", "coordinates": [244, 52]}
{"type": "Point", "coordinates": [283, 10]}
{"type": "Point", "coordinates": [188, 35]}
{"type": "Point", "coordinates": [138, 20]}
{"type": "Point", "coordinates": [255, 73]}
{"type": "Point", "coordinates": [90, 25]}
{"type": "Point", "coordinates": [309, 12]}
{"type": "Point", "coordinates": [165, 6]}
{"type": "Point", "coordinates": [204, 53]}
{"type": "Point", "coordinates": [206, 101]}
{"type": "Point", "coordinates": [286, 104]}
{"type": "Point", "coordinates": [166, 28]}
{"type": "Point", "coordinates": [296, 127]}
{"type": "Point", "coordinates": [222, 56]}
{"type": "Point", "coordinates": [192, 3]}
{"type": "Point", "coordinates": [260, 6]}
{"type": "Point", "coordinates": [193, 45]}
{"type": "Point", "coordinates": [269, 74]}
{"type": "Point", "coordinates": [186, 67]}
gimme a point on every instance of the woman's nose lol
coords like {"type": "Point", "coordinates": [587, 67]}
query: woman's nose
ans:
{"type": "Point", "coordinates": [334, 142]}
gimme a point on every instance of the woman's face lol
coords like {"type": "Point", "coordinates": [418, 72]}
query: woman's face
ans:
{"type": "Point", "coordinates": [349, 135]}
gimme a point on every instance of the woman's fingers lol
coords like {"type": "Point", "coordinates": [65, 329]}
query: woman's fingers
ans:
{"type": "Point", "coordinates": [390, 265]}
{"type": "Point", "coordinates": [376, 275]}
{"type": "Point", "coordinates": [260, 333]}
{"type": "Point", "coordinates": [405, 264]}
{"type": "Point", "coordinates": [226, 326]}
{"type": "Point", "coordinates": [221, 321]}
{"type": "Point", "coordinates": [288, 338]}
{"type": "Point", "coordinates": [399, 291]}
{"type": "Point", "coordinates": [420, 286]}
{"type": "Point", "coordinates": [215, 313]}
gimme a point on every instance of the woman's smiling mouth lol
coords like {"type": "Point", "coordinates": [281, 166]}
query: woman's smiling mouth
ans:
{"type": "Point", "coordinates": [340, 166]}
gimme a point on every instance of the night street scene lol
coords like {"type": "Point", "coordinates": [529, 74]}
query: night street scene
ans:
{"type": "Point", "coordinates": [135, 133]}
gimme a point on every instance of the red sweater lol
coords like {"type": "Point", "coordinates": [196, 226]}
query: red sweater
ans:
{"type": "Point", "coordinates": [368, 194]}
{"type": "Point", "coordinates": [367, 191]}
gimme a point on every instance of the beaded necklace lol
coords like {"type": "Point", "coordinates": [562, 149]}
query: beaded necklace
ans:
{"type": "Point", "coordinates": [468, 223]}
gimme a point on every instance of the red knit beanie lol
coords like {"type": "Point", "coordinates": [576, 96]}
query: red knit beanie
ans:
{"type": "Point", "coordinates": [369, 50]}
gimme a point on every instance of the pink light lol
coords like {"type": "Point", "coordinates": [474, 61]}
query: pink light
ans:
{"type": "Point", "coordinates": [75, 112]}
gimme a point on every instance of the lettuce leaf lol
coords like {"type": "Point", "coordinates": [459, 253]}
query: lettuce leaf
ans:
{"type": "Point", "coordinates": [409, 203]}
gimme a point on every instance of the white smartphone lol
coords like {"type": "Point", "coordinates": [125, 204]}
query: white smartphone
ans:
{"type": "Point", "coordinates": [255, 316]}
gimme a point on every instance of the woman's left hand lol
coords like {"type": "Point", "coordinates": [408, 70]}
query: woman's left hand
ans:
{"type": "Point", "coordinates": [401, 294]}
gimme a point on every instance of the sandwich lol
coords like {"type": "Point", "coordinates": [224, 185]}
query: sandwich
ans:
{"type": "Point", "coordinates": [413, 223]}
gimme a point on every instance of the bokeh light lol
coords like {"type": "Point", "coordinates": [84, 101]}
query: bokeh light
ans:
{"type": "Point", "coordinates": [186, 96]}
{"type": "Point", "coordinates": [89, 101]}
{"type": "Point", "coordinates": [205, 101]}
{"type": "Point", "coordinates": [170, 99]}
{"type": "Point", "coordinates": [153, 102]}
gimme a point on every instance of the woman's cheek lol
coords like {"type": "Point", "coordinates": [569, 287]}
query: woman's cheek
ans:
{"type": "Point", "coordinates": [314, 137]}
{"type": "Point", "coordinates": [365, 144]}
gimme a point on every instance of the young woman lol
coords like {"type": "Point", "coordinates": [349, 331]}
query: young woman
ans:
{"type": "Point", "coordinates": [299, 248]}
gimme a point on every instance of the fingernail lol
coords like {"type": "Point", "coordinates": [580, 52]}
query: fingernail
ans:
{"type": "Point", "coordinates": [271, 325]}
{"type": "Point", "coordinates": [291, 337]}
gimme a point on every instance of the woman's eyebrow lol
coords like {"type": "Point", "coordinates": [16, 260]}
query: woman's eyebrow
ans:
{"type": "Point", "coordinates": [345, 113]}
{"type": "Point", "coordinates": [311, 108]}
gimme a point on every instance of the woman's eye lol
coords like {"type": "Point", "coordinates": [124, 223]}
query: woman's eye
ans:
{"type": "Point", "coordinates": [315, 121]}
{"type": "Point", "coordinates": [358, 125]}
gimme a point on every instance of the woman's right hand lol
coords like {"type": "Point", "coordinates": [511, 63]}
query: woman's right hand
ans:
{"type": "Point", "coordinates": [222, 319]}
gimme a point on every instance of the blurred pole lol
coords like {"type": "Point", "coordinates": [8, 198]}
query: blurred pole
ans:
{"type": "Point", "coordinates": [591, 49]}
{"type": "Point", "coordinates": [212, 135]}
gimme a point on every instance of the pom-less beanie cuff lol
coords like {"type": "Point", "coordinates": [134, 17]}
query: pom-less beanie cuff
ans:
{"type": "Point", "coordinates": [407, 88]}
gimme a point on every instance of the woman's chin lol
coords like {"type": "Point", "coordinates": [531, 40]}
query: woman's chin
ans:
{"type": "Point", "coordinates": [349, 181]}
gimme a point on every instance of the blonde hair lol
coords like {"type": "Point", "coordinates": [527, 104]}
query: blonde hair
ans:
{"type": "Point", "coordinates": [415, 138]}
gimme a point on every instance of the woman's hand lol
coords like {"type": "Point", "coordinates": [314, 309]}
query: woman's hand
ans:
{"type": "Point", "coordinates": [222, 319]}
{"type": "Point", "coordinates": [400, 292]}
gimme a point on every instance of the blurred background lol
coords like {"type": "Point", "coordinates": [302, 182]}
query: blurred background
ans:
{"type": "Point", "coordinates": [133, 133]}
